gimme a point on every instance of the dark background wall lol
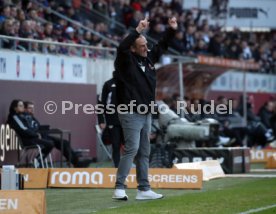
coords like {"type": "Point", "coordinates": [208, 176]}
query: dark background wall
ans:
{"type": "Point", "coordinates": [81, 125]}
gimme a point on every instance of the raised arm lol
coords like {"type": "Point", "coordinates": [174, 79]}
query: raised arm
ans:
{"type": "Point", "coordinates": [129, 40]}
{"type": "Point", "coordinates": [123, 51]}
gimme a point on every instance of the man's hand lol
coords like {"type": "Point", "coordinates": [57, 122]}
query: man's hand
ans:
{"type": "Point", "coordinates": [173, 23]}
{"type": "Point", "coordinates": [143, 24]}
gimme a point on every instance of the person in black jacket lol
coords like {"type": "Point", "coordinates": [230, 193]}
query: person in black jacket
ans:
{"type": "Point", "coordinates": [258, 133]}
{"type": "Point", "coordinates": [266, 113]}
{"type": "Point", "coordinates": [18, 122]}
{"type": "Point", "coordinates": [34, 125]}
{"type": "Point", "coordinates": [136, 82]}
{"type": "Point", "coordinates": [110, 122]}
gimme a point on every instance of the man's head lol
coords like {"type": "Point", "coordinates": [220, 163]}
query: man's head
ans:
{"type": "Point", "coordinates": [222, 100]}
{"type": "Point", "coordinates": [270, 106]}
{"type": "Point", "coordinates": [140, 47]}
{"type": "Point", "coordinates": [29, 107]}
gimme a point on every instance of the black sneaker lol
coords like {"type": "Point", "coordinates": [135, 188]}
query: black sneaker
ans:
{"type": "Point", "coordinates": [83, 163]}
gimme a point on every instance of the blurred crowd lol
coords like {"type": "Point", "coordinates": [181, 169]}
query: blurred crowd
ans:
{"type": "Point", "coordinates": [259, 130]}
{"type": "Point", "coordinates": [29, 20]}
{"type": "Point", "coordinates": [195, 35]}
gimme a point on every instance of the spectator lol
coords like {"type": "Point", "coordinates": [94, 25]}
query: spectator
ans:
{"type": "Point", "coordinates": [16, 27]}
{"type": "Point", "coordinates": [189, 38]}
{"type": "Point", "coordinates": [201, 48]}
{"type": "Point", "coordinates": [8, 30]}
{"type": "Point", "coordinates": [13, 12]}
{"type": "Point", "coordinates": [70, 34]}
{"type": "Point", "coordinates": [266, 113]}
{"type": "Point", "coordinates": [215, 46]}
{"type": "Point", "coordinates": [206, 33]}
{"type": "Point", "coordinates": [137, 16]}
{"type": "Point", "coordinates": [246, 51]}
{"type": "Point", "coordinates": [233, 51]}
{"type": "Point", "coordinates": [156, 31]}
{"type": "Point", "coordinates": [232, 125]}
{"type": "Point", "coordinates": [71, 13]}
{"type": "Point", "coordinates": [58, 33]}
{"type": "Point", "coordinates": [48, 30]}
{"type": "Point", "coordinates": [87, 38]}
{"type": "Point", "coordinates": [25, 29]}
{"type": "Point", "coordinates": [258, 134]}
{"type": "Point", "coordinates": [101, 6]}
{"type": "Point", "coordinates": [178, 42]}
{"type": "Point", "coordinates": [21, 15]}
{"type": "Point", "coordinates": [5, 13]}
{"type": "Point", "coordinates": [240, 46]}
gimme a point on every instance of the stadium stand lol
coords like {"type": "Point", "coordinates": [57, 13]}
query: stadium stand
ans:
{"type": "Point", "coordinates": [110, 19]}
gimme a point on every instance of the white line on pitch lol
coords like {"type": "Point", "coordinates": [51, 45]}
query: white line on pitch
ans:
{"type": "Point", "coordinates": [250, 176]}
{"type": "Point", "coordinates": [258, 209]}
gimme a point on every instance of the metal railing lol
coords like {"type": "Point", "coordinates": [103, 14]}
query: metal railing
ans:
{"type": "Point", "coordinates": [97, 17]}
{"type": "Point", "coordinates": [76, 23]}
{"type": "Point", "coordinates": [49, 47]}
{"type": "Point", "coordinates": [119, 26]}
{"type": "Point", "coordinates": [116, 26]}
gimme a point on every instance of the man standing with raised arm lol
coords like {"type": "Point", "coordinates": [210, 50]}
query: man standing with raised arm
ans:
{"type": "Point", "coordinates": [136, 82]}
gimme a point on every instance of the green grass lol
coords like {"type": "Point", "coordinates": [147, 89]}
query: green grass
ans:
{"type": "Point", "coordinates": [227, 195]}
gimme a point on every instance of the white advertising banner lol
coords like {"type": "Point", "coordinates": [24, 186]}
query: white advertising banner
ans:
{"type": "Point", "coordinates": [237, 13]}
{"type": "Point", "coordinates": [40, 67]}
{"type": "Point", "coordinates": [233, 81]}
{"type": "Point", "coordinates": [99, 71]}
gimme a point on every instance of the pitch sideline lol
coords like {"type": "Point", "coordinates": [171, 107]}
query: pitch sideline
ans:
{"type": "Point", "coordinates": [258, 209]}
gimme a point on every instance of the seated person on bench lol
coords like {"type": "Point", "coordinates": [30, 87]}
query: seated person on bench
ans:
{"type": "Point", "coordinates": [20, 121]}
{"type": "Point", "coordinates": [17, 121]}
{"type": "Point", "coordinates": [34, 125]}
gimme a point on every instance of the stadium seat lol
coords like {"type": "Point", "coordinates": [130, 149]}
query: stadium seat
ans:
{"type": "Point", "coordinates": [27, 156]}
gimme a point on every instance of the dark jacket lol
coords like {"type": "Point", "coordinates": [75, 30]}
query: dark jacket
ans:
{"type": "Point", "coordinates": [132, 82]}
{"type": "Point", "coordinates": [19, 123]}
{"type": "Point", "coordinates": [107, 97]}
{"type": "Point", "coordinates": [32, 122]}
{"type": "Point", "coordinates": [265, 117]}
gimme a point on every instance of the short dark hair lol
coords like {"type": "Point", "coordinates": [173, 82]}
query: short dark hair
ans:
{"type": "Point", "coordinates": [221, 98]}
{"type": "Point", "coordinates": [27, 103]}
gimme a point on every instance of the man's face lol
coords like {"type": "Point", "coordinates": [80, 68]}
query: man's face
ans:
{"type": "Point", "coordinates": [140, 47]}
{"type": "Point", "coordinates": [30, 109]}
{"type": "Point", "coordinates": [270, 106]}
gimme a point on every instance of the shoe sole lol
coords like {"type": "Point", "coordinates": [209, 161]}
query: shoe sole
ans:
{"type": "Point", "coordinates": [144, 199]}
{"type": "Point", "coordinates": [120, 199]}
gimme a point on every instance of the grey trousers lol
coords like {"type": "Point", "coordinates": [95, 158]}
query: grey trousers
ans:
{"type": "Point", "coordinates": [136, 129]}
